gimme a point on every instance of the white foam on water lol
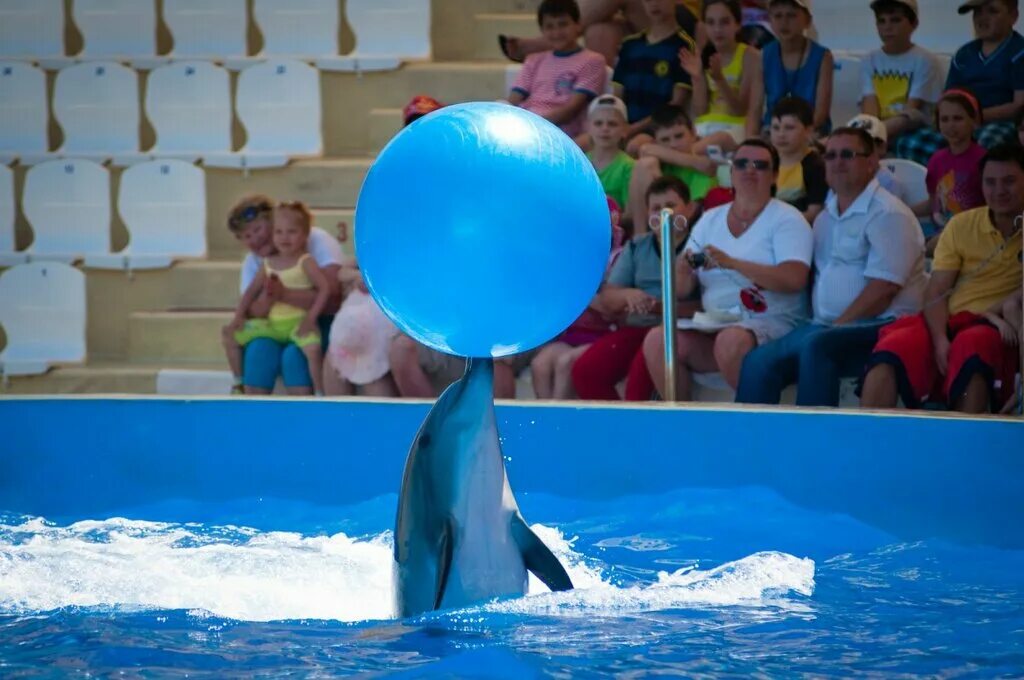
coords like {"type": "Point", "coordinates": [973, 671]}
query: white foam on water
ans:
{"type": "Point", "coordinates": [246, 574]}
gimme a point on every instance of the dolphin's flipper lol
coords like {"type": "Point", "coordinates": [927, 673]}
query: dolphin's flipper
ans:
{"type": "Point", "coordinates": [538, 558]}
{"type": "Point", "coordinates": [444, 563]}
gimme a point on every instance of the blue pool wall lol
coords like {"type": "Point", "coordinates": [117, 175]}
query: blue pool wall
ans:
{"type": "Point", "coordinates": [917, 477]}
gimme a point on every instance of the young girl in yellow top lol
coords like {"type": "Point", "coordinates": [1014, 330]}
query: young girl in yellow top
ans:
{"type": "Point", "coordinates": [297, 270]}
{"type": "Point", "coordinates": [724, 77]}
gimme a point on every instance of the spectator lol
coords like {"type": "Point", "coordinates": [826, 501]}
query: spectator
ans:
{"type": "Point", "coordinates": [751, 259]}
{"type": "Point", "coordinates": [675, 151]}
{"type": "Point", "coordinates": [874, 127]}
{"type": "Point", "coordinates": [954, 175]}
{"type": "Point", "coordinates": [793, 66]}
{"type": "Point", "coordinates": [801, 180]}
{"type": "Point", "coordinates": [606, 121]}
{"type": "Point", "coordinates": [992, 66]}
{"type": "Point", "coordinates": [250, 221]}
{"type": "Point", "coordinates": [605, 23]}
{"type": "Point", "coordinates": [557, 84]}
{"type": "Point", "coordinates": [633, 294]}
{"type": "Point", "coordinates": [551, 368]}
{"type": "Point", "coordinates": [724, 74]}
{"type": "Point", "coordinates": [648, 73]}
{"type": "Point", "coordinates": [900, 82]}
{"type": "Point", "coordinates": [419, 106]}
{"type": "Point", "coordinates": [295, 270]}
{"type": "Point", "coordinates": [950, 352]}
{"type": "Point", "coordinates": [357, 353]}
{"type": "Point", "coordinates": [868, 270]}
{"type": "Point", "coordinates": [423, 373]}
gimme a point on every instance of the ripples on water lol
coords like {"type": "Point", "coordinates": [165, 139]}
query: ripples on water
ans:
{"type": "Point", "coordinates": [694, 582]}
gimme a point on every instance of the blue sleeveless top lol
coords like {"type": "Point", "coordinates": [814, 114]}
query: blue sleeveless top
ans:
{"type": "Point", "coordinates": [780, 81]}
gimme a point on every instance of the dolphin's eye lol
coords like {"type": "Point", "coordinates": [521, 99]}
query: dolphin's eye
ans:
{"type": "Point", "coordinates": [424, 440]}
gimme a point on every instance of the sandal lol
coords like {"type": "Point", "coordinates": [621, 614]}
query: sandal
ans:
{"type": "Point", "coordinates": [505, 43]}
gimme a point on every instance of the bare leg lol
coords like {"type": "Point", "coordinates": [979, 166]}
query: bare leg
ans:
{"type": "Point", "coordinates": [232, 350]}
{"type": "Point", "coordinates": [645, 171]}
{"type": "Point", "coordinates": [315, 359]}
{"type": "Point", "coordinates": [334, 384]}
{"type": "Point", "coordinates": [542, 369]}
{"type": "Point", "coordinates": [381, 387]}
{"type": "Point", "coordinates": [605, 38]}
{"type": "Point", "coordinates": [731, 345]}
{"type": "Point", "coordinates": [694, 352]}
{"type": "Point", "coordinates": [879, 389]}
{"type": "Point", "coordinates": [257, 391]}
{"type": "Point", "coordinates": [597, 16]}
{"type": "Point", "coordinates": [975, 398]}
{"type": "Point", "coordinates": [504, 381]}
{"type": "Point", "coordinates": [411, 381]}
{"type": "Point", "coordinates": [563, 388]}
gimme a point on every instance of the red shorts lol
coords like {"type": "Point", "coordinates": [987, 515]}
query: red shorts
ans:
{"type": "Point", "coordinates": [976, 348]}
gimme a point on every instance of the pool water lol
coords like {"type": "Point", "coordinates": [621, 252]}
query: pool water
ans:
{"type": "Point", "coordinates": [692, 582]}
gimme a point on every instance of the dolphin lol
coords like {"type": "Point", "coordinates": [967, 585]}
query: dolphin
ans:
{"type": "Point", "coordinates": [459, 536]}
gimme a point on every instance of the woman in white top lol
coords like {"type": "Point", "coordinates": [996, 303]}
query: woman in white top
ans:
{"type": "Point", "coordinates": [751, 259]}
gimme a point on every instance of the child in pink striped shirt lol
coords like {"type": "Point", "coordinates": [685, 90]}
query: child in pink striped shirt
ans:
{"type": "Point", "coordinates": [559, 83]}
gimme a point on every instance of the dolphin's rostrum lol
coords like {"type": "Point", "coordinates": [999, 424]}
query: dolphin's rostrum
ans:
{"type": "Point", "coordinates": [459, 536]}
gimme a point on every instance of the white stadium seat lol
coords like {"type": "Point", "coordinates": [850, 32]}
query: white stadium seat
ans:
{"type": "Point", "coordinates": [42, 311]}
{"type": "Point", "coordinates": [31, 28]}
{"type": "Point", "coordinates": [387, 33]}
{"type": "Point", "coordinates": [23, 114]}
{"type": "Point", "coordinates": [189, 105]}
{"type": "Point", "coordinates": [97, 106]}
{"type": "Point", "coordinates": [67, 203]}
{"type": "Point", "coordinates": [116, 28]}
{"type": "Point", "coordinates": [298, 28]}
{"type": "Point", "coordinates": [163, 205]}
{"type": "Point", "coordinates": [207, 28]}
{"type": "Point", "coordinates": [845, 88]}
{"type": "Point", "coordinates": [8, 255]}
{"type": "Point", "coordinates": [278, 102]}
{"type": "Point", "coordinates": [912, 176]}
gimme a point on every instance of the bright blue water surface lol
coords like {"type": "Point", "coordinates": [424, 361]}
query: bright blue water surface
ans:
{"type": "Point", "coordinates": [694, 582]}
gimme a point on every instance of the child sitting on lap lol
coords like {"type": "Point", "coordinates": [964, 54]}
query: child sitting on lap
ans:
{"type": "Point", "coordinates": [296, 269]}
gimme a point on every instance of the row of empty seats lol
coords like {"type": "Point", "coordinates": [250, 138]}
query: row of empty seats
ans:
{"type": "Point", "coordinates": [43, 312]}
{"type": "Point", "coordinates": [67, 204]}
{"type": "Point", "coordinates": [387, 32]}
{"type": "Point", "coordinates": [188, 103]}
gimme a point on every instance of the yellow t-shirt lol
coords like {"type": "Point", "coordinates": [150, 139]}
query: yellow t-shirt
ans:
{"type": "Point", "coordinates": [968, 240]}
{"type": "Point", "coordinates": [295, 278]}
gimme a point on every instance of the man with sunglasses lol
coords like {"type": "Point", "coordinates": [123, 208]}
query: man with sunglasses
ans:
{"type": "Point", "coordinates": [869, 269]}
{"type": "Point", "coordinates": [251, 221]}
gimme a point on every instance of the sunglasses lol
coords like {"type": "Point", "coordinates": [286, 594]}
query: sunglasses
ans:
{"type": "Point", "coordinates": [845, 154]}
{"type": "Point", "coordinates": [744, 163]}
{"type": "Point", "coordinates": [249, 213]}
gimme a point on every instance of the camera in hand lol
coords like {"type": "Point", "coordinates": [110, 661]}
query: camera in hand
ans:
{"type": "Point", "coordinates": [698, 260]}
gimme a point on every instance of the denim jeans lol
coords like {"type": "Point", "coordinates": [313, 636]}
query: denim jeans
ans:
{"type": "Point", "coordinates": [814, 356]}
{"type": "Point", "coordinates": [265, 359]}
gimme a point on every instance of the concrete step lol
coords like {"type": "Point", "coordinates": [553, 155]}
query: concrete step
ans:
{"type": "Point", "coordinates": [384, 124]}
{"type": "Point", "coordinates": [178, 338]}
{"type": "Point", "coordinates": [490, 25]}
{"type": "Point", "coordinates": [89, 379]}
{"type": "Point", "coordinates": [202, 285]}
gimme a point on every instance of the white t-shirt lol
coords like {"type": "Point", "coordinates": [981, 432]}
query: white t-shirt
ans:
{"type": "Point", "coordinates": [897, 78]}
{"type": "Point", "coordinates": [877, 237]}
{"type": "Point", "coordinates": [779, 234]}
{"type": "Point", "coordinates": [324, 248]}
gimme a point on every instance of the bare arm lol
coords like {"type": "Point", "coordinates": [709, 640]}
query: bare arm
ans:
{"type": "Point", "coordinates": [936, 314]}
{"type": "Point", "coordinates": [620, 300]}
{"type": "Point", "coordinates": [691, 63]}
{"type": "Point", "coordinates": [785, 277]}
{"type": "Point", "coordinates": [323, 292]}
{"type": "Point", "coordinates": [1005, 111]}
{"type": "Point", "coordinates": [247, 299]}
{"type": "Point", "coordinates": [869, 105]}
{"type": "Point", "coordinates": [823, 97]}
{"type": "Point", "coordinates": [515, 97]}
{"type": "Point", "coordinates": [671, 156]}
{"type": "Point", "coordinates": [876, 297]}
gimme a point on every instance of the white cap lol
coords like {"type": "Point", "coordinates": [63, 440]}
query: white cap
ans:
{"type": "Point", "coordinates": [873, 126]}
{"type": "Point", "coordinates": [607, 101]}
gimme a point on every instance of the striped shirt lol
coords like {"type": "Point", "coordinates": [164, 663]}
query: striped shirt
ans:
{"type": "Point", "coordinates": [548, 80]}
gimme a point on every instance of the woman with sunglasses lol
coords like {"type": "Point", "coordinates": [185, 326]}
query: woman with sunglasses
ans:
{"type": "Point", "coordinates": [751, 259]}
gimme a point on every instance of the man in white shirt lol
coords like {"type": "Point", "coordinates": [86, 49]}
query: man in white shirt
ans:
{"type": "Point", "coordinates": [869, 269]}
{"type": "Point", "coordinates": [251, 221]}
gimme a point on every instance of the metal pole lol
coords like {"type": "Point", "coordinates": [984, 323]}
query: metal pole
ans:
{"type": "Point", "coordinates": [668, 303]}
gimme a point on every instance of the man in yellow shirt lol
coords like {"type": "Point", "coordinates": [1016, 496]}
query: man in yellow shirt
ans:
{"type": "Point", "coordinates": [950, 350]}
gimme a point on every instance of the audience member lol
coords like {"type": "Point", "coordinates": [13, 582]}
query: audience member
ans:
{"type": "Point", "coordinates": [675, 151]}
{"type": "Point", "coordinates": [868, 270]}
{"type": "Point", "coordinates": [633, 294]}
{"type": "Point", "coordinates": [606, 122]}
{"type": "Point", "coordinates": [557, 84]}
{"type": "Point", "coordinates": [992, 66]}
{"type": "Point", "coordinates": [419, 106]}
{"type": "Point", "coordinates": [900, 82]}
{"type": "Point", "coordinates": [801, 180]}
{"type": "Point", "coordinates": [751, 260]}
{"type": "Point", "coordinates": [294, 269]}
{"type": "Point", "coordinates": [950, 352]}
{"type": "Point", "coordinates": [793, 66]}
{"type": "Point", "coordinates": [250, 220]}
{"type": "Point", "coordinates": [723, 76]}
{"type": "Point", "coordinates": [551, 368]}
{"type": "Point", "coordinates": [874, 127]}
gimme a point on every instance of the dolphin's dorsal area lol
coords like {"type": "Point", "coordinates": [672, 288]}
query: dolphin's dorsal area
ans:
{"type": "Point", "coordinates": [459, 536]}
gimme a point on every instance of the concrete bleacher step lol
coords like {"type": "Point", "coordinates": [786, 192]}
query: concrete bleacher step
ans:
{"type": "Point", "coordinates": [384, 124]}
{"type": "Point", "coordinates": [180, 338]}
{"type": "Point", "coordinates": [204, 284]}
{"type": "Point", "coordinates": [102, 378]}
{"type": "Point", "coordinates": [490, 25]}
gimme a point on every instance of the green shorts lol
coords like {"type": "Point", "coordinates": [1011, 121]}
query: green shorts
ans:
{"type": "Point", "coordinates": [279, 330]}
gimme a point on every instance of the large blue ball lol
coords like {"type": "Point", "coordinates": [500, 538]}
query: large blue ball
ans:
{"type": "Point", "coordinates": [482, 230]}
